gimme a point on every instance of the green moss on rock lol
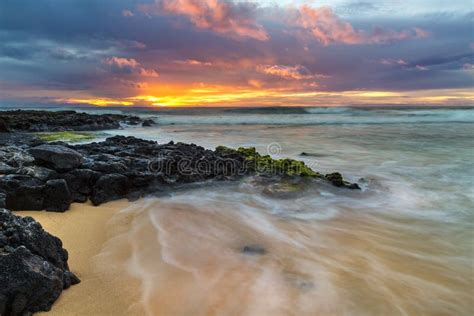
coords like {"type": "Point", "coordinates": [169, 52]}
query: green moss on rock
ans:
{"type": "Point", "coordinates": [268, 165]}
{"type": "Point", "coordinates": [66, 136]}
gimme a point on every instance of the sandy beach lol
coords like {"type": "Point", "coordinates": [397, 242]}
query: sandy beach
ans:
{"type": "Point", "coordinates": [83, 231]}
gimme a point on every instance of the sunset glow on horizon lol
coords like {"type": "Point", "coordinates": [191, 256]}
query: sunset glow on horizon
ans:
{"type": "Point", "coordinates": [236, 53]}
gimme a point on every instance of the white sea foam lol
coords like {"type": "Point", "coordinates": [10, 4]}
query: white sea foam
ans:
{"type": "Point", "coordinates": [401, 246]}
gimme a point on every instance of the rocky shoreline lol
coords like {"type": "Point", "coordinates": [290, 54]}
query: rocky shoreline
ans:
{"type": "Point", "coordinates": [55, 121]}
{"type": "Point", "coordinates": [39, 175]}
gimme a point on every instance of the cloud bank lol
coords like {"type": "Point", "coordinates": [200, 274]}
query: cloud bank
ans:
{"type": "Point", "coordinates": [234, 52]}
{"type": "Point", "coordinates": [220, 16]}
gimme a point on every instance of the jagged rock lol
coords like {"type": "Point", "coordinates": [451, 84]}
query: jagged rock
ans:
{"type": "Point", "coordinates": [132, 120]}
{"type": "Point", "coordinates": [106, 167]}
{"type": "Point", "coordinates": [38, 172]}
{"type": "Point", "coordinates": [57, 197]}
{"type": "Point", "coordinates": [57, 157]}
{"type": "Point", "coordinates": [15, 156]}
{"type": "Point", "coordinates": [128, 167]}
{"type": "Point", "coordinates": [337, 180]}
{"type": "Point", "coordinates": [109, 187]}
{"type": "Point", "coordinates": [5, 168]}
{"type": "Point", "coordinates": [22, 192]}
{"type": "Point", "coordinates": [33, 266]}
{"type": "Point", "coordinates": [80, 183]}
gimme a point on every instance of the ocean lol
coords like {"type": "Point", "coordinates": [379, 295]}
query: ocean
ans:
{"type": "Point", "coordinates": [403, 245]}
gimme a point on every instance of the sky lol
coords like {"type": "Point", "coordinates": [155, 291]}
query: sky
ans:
{"type": "Point", "coordinates": [236, 53]}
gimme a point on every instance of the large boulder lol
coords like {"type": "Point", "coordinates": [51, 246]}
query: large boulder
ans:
{"type": "Point", "coordinates": [22, 192]}
{"type": "Point", "coordinates": [57, 197]}
{"type": "Point", "coordinates": [33, 266]}
{"type": "Point", "coordinates": [58, 157]}
{"type": "Point", "coordinates": [109, 187]}
{"type": "Point", "coordinates": [80, 183]}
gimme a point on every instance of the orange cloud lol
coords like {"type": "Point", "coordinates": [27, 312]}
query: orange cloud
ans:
{"type": "Point", "coordinates": [148, 73]}
{"type": "Point", "coordinates": [129, 66]}
{"type": "Point", "coordinates": [297, 72]}
{"type": "Point", "coordinates": [241, 96]}
{"type": "Point", "coordinates": [325, 26]}
{"type": "Point", "coordinates": [255, 83]}
{"type": "Point", "coordinates": [121, 62]}
{"type": "Point", "coordinates": [224, 17]}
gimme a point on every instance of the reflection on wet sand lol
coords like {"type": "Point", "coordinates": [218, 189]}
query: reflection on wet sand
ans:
{"type": "Point", "coordinates": [189, 254]}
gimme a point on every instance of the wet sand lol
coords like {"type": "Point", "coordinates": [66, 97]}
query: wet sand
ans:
{"type": "Point", "coordinates": [83, 230]}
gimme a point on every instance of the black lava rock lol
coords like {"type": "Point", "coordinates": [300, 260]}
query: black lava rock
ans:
{"type": "Point", "coordinates": [51, 176]}
{"type": "Point", "coordinates": [51, 121]}
{"type": "Point", "coordinates": [22, 192]}
{"type": "Point", "coordinates": [148, 123]}
{"type": "Point", "coordinates": [80, 183]}
{"type": "Point", "coordinates": [57, 157]}
{"type": "Point", "coordinates": [253, 250]}
{"type": "Point", "coordinates": [57, 196]}
{"type": "Point", "coordinates": [109, 187]}
{"type": "Point", "coordinates": [33, 266]}
{"type": "Point", "coordinates": [338, 181]}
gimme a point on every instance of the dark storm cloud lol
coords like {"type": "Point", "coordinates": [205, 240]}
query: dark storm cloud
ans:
{"type": "Point", "coordinates": [449, 61]}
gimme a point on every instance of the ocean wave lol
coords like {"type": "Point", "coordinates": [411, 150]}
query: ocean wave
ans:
{"type": "Point", "coordinates": [347, 116]}
{"type": "Point", "coordinates": [333, 110]}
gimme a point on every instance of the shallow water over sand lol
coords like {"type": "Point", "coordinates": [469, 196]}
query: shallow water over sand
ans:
{"type": "Point", "coordinates": [402, 246]}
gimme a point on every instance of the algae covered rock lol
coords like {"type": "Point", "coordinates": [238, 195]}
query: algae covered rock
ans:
{"type": "Point", "coordinates": [66, 136]}
{"type": "Point", "coordinates": [265, 164]}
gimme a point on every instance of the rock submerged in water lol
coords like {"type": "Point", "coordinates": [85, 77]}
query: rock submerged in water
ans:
{"type": "Point", "coordinates": [148, 123]}
{"type": "Point", "coordinates": [33, 266]}
{"type": "Point", "coordinates": [306, 154]}
{"type": "Point", "coordinates": [338, 181]}
{"type": "Point", "coordinates": [254, 250]}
